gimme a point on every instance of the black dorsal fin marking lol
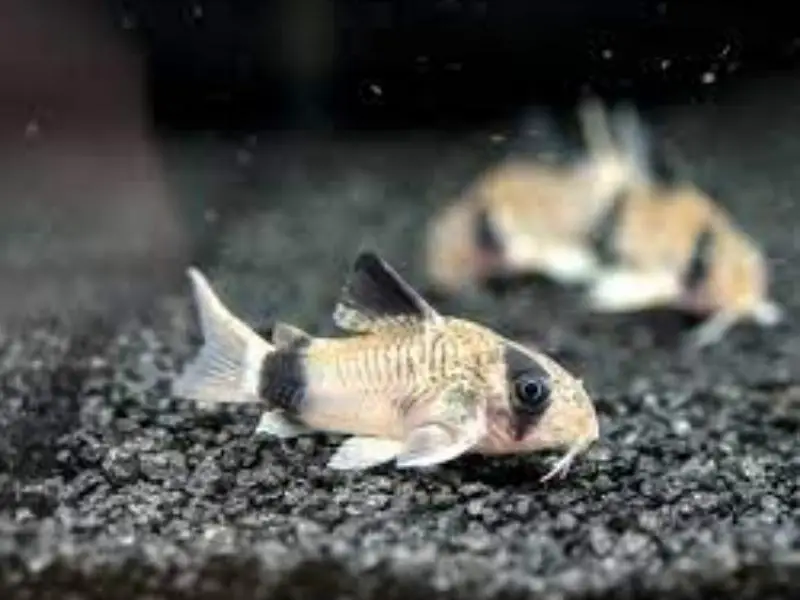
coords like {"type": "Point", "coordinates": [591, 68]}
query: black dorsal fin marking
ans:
{"type": "Point", "coordinates": [604, 232]}
{"type": "Point", "coordinates": [375, 293]}
{"type": "Point", "coordinates": [486, 237]}
{"type": "Point", "coordinates": [697, 271]}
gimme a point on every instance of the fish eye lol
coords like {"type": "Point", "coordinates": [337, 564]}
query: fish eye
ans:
{"type": "Point", "coordinates": [533, 392]}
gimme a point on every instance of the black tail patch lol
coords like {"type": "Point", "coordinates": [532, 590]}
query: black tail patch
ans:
{"type": "Point", "coordinates": [284, 379]}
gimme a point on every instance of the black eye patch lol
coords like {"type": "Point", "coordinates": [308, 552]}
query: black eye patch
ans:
{"type": "Point", "coordinates": [531, 386]}
{"type": "Point", "coordinates": [520, 363]}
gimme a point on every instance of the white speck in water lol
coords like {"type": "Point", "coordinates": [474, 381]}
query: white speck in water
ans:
{"type": "Point", "coordinates": [496, 138]}
{"type": "Point", "coordinates": [376, 89]}
{"type": "Point", "coordinates": [681, 427]}
{"type": "Point", "coordinates": [97, 362]}
{"type": "Point", "coordinates": [725, 51]}
{"type": "Point", "coordinates": [244, 157]}
{"type": "Point", "coordinates": [665, 64]}
{"type": "Point", "coordinates": [32, 129]}
{"type": "Point", "coordinates": [607, 54]}
{"type": "Point", "coordinates": [197, 12]}
{"type": "Point", "coordinates": [709, 77]}
{"type": "Point", "coordinates": [128, 22]}
{"type": "Point", "coordinates": [210, 215]}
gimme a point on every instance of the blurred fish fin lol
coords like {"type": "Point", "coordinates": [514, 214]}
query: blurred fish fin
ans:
{"type": "Point", "coordinates": [594, 124]}
{"type": "Point", "coordinates": [712, 330]}
{"type": "Point", "coordinates": [769, 313]}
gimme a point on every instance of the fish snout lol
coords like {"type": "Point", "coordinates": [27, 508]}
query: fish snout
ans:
{"type": "Point", "coordinates": [570, 421]}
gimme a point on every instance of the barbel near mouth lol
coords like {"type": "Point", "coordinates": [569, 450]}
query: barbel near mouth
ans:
{"type": "Point", "coordinates": [563, 464]}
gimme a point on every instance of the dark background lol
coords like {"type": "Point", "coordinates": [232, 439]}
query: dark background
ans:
{"type": "Point", "coordinates": [232, 64]}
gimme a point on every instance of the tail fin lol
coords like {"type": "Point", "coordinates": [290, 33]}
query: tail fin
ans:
{"type": "Point", "coordinates": [228, 366]}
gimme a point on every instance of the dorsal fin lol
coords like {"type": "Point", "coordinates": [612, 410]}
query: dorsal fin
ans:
{"type": "Point", "coordinates": [285, 335]}
{"type": "Point", "coordinates": [699, 265]}
{"type": "Point", "coordinates": [375, 294]}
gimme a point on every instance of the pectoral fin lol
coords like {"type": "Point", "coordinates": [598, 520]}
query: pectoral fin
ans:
{"type": "Point", "coordinates": [455, 423]}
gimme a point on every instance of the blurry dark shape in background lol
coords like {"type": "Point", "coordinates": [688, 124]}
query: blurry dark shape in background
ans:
{"type": "Point", "coordinates": [85, 216]}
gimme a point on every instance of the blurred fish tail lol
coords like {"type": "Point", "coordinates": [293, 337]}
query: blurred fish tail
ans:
{"type": "Point", "coordinates": [229, 364]}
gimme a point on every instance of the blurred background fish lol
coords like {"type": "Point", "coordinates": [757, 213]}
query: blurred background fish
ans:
{"type": "Point", "coordinates": [625, 221]}
{"type": "Point", "coordinates": [673, 246]}
{"type": "Point", "coordinates": [525, 216]}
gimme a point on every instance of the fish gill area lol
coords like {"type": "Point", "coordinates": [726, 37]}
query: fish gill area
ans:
{"type": "Point", "coordinates": [111, 488]}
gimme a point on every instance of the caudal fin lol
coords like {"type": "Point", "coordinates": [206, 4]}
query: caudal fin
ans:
{"type": "Point", "coordinates": [228, 366]}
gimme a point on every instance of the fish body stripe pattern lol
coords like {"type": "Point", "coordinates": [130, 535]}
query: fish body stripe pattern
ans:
{"type": "Point", "coordinates": [398, 362]}
{"type": "Point", "coordinates": [373, 362]}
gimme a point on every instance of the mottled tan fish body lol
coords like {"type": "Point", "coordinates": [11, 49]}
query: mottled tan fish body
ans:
{"type": "Point", "coordinates": [658, 227]}
{"type": "Point", "coordinates": [675, 247]}
{"type": "Point", "coordinates": [409, 384]}
{"type": "Point", "coordinates": [372, 385]}
{"type": "Point", "coordinates": [368, 384]}
{"type": "Point", "coordinates": [535, 208]}
{"type": "Point", "coordinates": [540, 215]}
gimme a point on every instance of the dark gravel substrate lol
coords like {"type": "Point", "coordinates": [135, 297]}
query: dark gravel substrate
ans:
{"type": "Point", "coordinates": [110, 489]}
